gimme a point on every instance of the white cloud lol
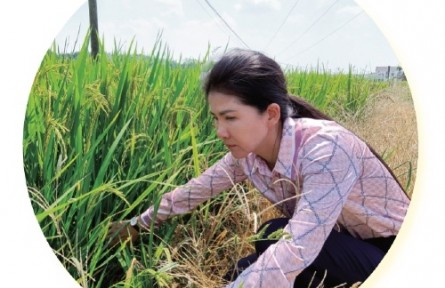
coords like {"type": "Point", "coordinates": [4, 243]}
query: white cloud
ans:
{"type": "Point", "coordinates": [238, 7]}
{"type": "Point", "coordinates": [349, 10]}
{"type": "Point", "coordinates": [204, 32]}
{"type": "Point", "coordinates": [173, 7]}
{"type": "Point", "coordinates": [274, 4]}
{"type": "Point", "coordinates": [143, 32]}
{"type": "Point", "coordinates": [140, 25]}
{"type": "Point", "coordinates": [323, 3]}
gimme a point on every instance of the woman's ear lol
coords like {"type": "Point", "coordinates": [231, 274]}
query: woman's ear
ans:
{"type": "Point", "coordinates": [273, 113]}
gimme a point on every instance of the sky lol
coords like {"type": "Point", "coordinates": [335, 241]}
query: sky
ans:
{"type": "Point", "coordinates": [305, 34]}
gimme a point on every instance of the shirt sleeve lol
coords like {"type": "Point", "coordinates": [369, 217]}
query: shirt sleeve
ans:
{"type": "Point", "coordinates": [219, 177]}
{"type": "Point", "coordinates": [327, 174]}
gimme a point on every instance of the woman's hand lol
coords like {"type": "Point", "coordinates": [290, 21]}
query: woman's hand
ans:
{"type": "Point", "coordinates": [121, 231]}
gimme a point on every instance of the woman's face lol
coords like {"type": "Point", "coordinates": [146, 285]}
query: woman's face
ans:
{"type": "Point", "coordinates": [242, 128]}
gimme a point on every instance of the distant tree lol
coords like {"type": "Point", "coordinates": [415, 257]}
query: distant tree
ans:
{"type": "Point", "coordinates": [94, 26]}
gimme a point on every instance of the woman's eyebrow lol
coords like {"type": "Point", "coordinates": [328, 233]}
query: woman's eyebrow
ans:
{"type": "Point", "coordinates": [221, 113]}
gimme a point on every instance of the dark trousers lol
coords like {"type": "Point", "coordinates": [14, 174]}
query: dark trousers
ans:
{"type": "Point", "coordinates": [343, 259]}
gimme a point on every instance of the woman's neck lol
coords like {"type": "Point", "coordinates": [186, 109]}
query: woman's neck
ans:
{"type": "Point", "coordinates": [272, 146]}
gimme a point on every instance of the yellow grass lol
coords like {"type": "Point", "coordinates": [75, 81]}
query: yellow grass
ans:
{"type": "Point", "coordinates": [389, 126]}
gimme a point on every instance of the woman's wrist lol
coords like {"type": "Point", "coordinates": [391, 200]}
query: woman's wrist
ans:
{"type": "Point", "coordinates": [134, 222]}
{"type": "Point", "coordinates": [139, 222]}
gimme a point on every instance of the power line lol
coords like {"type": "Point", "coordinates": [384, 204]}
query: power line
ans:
{"type": "Point", "coordinates": [227, 24]}
{"type": "Point", "coordinates": [328, 35]}
{"type": "Point", "coordinates": [211, 17]}
{"type": "Point", "coordinates": [202, 7]}
{"type": "Point", "coordinates": [310, 27]}
{"type": "Point", "coordinates": [282, 24]}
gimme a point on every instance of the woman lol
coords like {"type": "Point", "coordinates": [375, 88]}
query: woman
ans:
{"type": "Point", "coordinates": [342, 205]}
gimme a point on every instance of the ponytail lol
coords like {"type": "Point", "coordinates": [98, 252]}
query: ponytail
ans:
{"type": "Point", "coordinates": [302, 109]}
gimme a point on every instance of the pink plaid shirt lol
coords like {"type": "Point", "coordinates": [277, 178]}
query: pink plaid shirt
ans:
{"type": "Point", "coordinates": [324, 175]}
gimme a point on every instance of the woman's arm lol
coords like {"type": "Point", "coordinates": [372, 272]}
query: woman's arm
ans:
{"type": "Point", "coordinates": [219, 177]}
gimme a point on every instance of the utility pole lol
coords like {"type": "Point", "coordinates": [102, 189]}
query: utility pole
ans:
{"type": "Point", "coordinates": [92, 7]}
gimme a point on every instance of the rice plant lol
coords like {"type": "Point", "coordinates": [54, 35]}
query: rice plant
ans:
{"type": "Point", "coordinates": [103, 140]}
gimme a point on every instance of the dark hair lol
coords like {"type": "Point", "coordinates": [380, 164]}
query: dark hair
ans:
{"type": "Point", "coordinates": [258, 81]}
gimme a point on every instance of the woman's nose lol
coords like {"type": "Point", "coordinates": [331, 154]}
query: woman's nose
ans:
{"type": "Point", "coordinates": [221, 131]}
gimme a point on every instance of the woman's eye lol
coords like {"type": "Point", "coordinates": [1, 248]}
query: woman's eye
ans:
{"type": "Point", "coordinates": [230, 118]}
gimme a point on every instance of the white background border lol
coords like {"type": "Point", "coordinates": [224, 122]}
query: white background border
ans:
{"type": "Point", "coordinates": [413, 29]}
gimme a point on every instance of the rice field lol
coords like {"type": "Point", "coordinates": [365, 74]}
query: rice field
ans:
{"type": "Point", "coordinates": [103, 140]}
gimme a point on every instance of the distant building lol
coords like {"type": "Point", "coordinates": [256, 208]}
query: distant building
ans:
{"type": "Point", "coordinates": [383, 73]}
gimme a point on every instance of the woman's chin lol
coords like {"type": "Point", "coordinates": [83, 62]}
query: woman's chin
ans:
{"type": "Point", "coordinates": [238, 154]}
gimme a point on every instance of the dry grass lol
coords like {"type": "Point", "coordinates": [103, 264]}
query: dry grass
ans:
{"type": "Point", "coordinates": [207, 250]}
{"type": "Point", "coordinates": [389, 126]}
